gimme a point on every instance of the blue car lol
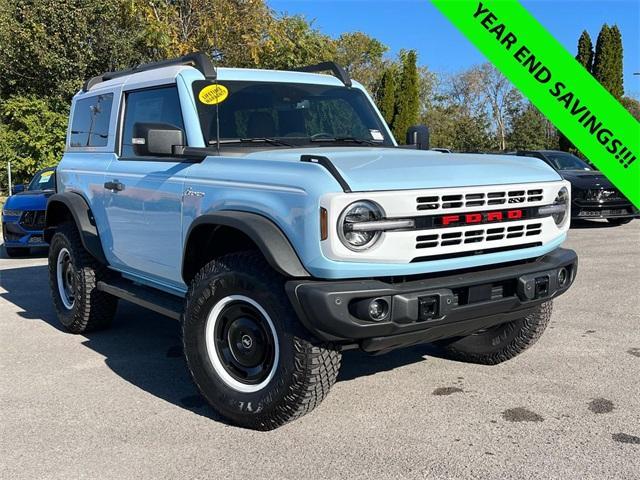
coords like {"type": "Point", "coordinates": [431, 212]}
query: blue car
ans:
{"type": "Point", "coordinates": [23, 216]}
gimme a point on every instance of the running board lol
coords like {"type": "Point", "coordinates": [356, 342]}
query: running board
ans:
{"type": "Point", "coordinates": [146, 297]}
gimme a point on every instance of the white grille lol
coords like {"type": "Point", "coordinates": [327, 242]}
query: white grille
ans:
{"type": "Point", "coordinates": [480, 199]}
{"type": "Point", "coordinates": [477, 236]}
{"type": "Point", "coordinates": [407, 246]}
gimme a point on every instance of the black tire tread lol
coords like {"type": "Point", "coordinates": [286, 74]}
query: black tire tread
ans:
{"type": "Point", "coordinates": [532, 328]}
{"type": "Point", "coordinates": [316, 365]}
{"type": "Point", "coordinates": [96, 308]}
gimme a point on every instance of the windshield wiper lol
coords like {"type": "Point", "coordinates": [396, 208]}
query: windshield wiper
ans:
{"type": "Point", "coordinates": [271, 141]}
{"type": "Point", "coordinates": [345, 139]}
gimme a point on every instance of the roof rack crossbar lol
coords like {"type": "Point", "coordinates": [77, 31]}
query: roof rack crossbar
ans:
{"type": "Point", "coordinates": [337, 70]}
{"type": "Point", "coordinates": [198, 60]}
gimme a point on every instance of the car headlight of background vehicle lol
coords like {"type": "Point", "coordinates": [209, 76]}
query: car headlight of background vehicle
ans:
{"type": "Point", "coordinates": [560, 208]}
{"type": "Point", "coordinates": [359, 213]}
{"type": "Point", "coordinates": [11, 213]}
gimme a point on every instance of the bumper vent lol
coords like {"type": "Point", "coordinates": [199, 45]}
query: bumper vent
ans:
{"type": "Point", "coordinates": [33, 220]}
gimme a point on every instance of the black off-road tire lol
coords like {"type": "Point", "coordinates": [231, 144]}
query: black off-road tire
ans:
{"type": "Point", "coordinates": [16, 252]}
{"type": "Point", "coordinates": [306, 369]}
{"type": "Point", "coordinates": [502, 342]}
{"type": "Point", "coordinates": [91, 309]}
{"type": "Point", "coordinates": [616, 222]}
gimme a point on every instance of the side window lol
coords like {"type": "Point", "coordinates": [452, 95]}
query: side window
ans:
{"type": "Point", "coordinates": [157, 105]}
{"type": "Point", "coordinates": [90, 124]}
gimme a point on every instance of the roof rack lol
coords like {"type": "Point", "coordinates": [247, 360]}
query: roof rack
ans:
{"type": "Point", "coordinates": [197, 60]}
{"type": "Point", "coordinates": [337, 70]}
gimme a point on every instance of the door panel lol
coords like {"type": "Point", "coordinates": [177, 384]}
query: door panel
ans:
{"type": "Point", "coordinates": [145, 218]}
{"type": "Point", "coordinates": [144, 194]}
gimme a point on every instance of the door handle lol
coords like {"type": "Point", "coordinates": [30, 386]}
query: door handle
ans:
{"type": "Point", "coordinates": [114, 186]}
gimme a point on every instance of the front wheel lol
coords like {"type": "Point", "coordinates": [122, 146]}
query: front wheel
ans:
{"type": "Point", "coordinates": [500, 343]}
{"type": "Point", "coordinates": [616, 222]}
{"type": "Point", "coordinates": [245, 348]}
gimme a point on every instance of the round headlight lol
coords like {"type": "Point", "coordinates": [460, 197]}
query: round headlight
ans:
{"type": "Point", "coordinates": [358, 212]}
{"type": "Point", "coordinates": [561, 199]}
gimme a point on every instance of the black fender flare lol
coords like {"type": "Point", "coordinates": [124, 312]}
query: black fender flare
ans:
{"type": "Point", "coordinates": [268, 237]}
{"type": "Point", "coordinates": [83, 218]}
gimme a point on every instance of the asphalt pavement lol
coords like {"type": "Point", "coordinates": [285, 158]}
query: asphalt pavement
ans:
{"type": "Point", "coordinates": [119, 404]}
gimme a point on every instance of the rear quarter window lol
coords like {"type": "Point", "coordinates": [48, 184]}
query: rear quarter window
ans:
{"type": "Point", "coordinates": [90, 123]}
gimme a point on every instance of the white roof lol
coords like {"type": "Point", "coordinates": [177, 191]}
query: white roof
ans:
{"type": "Point", "coordinates": [162, 75]}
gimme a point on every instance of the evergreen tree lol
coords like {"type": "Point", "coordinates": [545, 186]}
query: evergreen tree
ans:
{"type": "Point", "coordinates": [407, 102]}
{"type": "Point", "coordinates": [386, 95]}
{"type": "Point", "coordinates": [607, 64]}
{"type": "Point", "coordinates": [585, 51]}
{"type": "Point", "coordinates": [617, 74]}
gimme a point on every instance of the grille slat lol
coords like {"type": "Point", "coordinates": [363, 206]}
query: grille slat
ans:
{"type": "Point", "coordinates": [476, 236]}
{"type": "Point", "coordinates": [479, 199]}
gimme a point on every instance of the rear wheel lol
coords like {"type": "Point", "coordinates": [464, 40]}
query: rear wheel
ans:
{"type": "Point", "coordinates": [502, 342]}
{"type": "Point", "coordinates": [616, 222]}
{"type": "Point", "coordinates": [14, 252]}
{"type": "Point", "coordinates": [247, 352]}
{"type": "Point", "coordinates": [73, 278]}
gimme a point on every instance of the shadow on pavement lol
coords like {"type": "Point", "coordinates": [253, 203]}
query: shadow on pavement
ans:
{"type": "Point", "coordinates": [144, 348]}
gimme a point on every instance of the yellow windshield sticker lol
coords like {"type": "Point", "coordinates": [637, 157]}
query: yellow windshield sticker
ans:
{"type": "Point", "coordinates": [213, 94]}
{"type": "Point", "coordinates": [45, 176]}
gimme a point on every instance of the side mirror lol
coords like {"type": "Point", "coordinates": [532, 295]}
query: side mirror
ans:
{"type": "Point", "coordinates": [156, 139]}
{"type": "Point", "coordinates": [18, 188]}
{"type": "Point", "coordinates": [418, 135]}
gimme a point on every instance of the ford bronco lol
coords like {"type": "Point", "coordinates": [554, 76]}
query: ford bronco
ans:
{"type": "Point", "coordinates": [274, 215]}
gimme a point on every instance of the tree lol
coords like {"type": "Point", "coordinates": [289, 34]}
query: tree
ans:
{"type": "Point", "coordinates": [632, 105]}
{"type": "Point", "coordinates": [49, 47]}
{"type": "Point", "coordinates": [618, 75]}
{"type": "Point", "coordinates": [361, 55]}
{"type": "Point", "coordinates": [530, 130]}
{"type": "Point", "coordinates": [32, 135]}
{"type": "Point", "coordinates": [607, 64]}
{"type": "Point", "coordinates": [585, 51]}
{"type": "Point", "coordinates": [293, 42]}
{"type": "Point", "coordinates": [407, 104]}
{"type": "Point", "coordinates": [500, 95]}
{"type": "Point", "coordinates": [386, 94]}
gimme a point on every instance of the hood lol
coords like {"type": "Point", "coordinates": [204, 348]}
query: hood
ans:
{"type": "Point", "coordinates": [376, 168]}
{"type": "Point", "coordinates": [586, 179]}
{"type": "Point", "coordinates": [29, 200]}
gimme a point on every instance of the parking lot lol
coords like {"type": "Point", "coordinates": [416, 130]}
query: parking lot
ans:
{"type": "Point", "coordinates": [120, 404]}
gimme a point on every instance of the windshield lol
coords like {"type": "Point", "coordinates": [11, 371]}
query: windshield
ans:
{"type": "Point", "coordinates": [566, 161]}
{"type": "Point", "coordinates": [43, 180]}
{"type": "Point", "coordinates": [291, 114]}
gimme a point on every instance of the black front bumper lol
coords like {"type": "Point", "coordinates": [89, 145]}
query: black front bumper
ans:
{"type": "Point", "coordinates": [432, 307]}
{"type": "Point", "coordinates": [585, 210]}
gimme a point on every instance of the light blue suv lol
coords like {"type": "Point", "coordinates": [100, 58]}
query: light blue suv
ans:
{"type": "Point", "coordinates": [274, 215]}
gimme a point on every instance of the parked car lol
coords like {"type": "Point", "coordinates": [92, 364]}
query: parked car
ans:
{"type": "Point", "coordinates": [593, 196]}
{"type": "Point", "coordinates": [275, 216]}
{"type": "Point", "coordinates": [23, 214]}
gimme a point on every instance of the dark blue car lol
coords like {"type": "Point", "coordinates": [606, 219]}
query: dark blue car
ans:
{"type": "Point", "coordinates": [24, 212]}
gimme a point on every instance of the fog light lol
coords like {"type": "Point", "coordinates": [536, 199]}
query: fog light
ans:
{"type": "Point", "coordinates": [563, 277]}
{"type": "Point", "coordinates": [378, 309]}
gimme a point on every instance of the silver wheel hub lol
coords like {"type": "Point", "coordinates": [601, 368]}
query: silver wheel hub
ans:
{"type": "Point", "coordinates": [66, 278]}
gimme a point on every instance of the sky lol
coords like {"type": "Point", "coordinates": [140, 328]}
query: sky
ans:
{"type": "Point", "coordinates": [417, 24]}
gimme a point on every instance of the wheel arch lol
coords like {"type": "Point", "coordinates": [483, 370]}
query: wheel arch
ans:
{"type": "Point", "coordinates": [72, 206]}
{"type": "Point", "coordinates": [215, 234]}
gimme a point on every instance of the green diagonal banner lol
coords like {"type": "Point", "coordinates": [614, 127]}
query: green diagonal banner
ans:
{"type": "Point", "coordinates": [555, 83]}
